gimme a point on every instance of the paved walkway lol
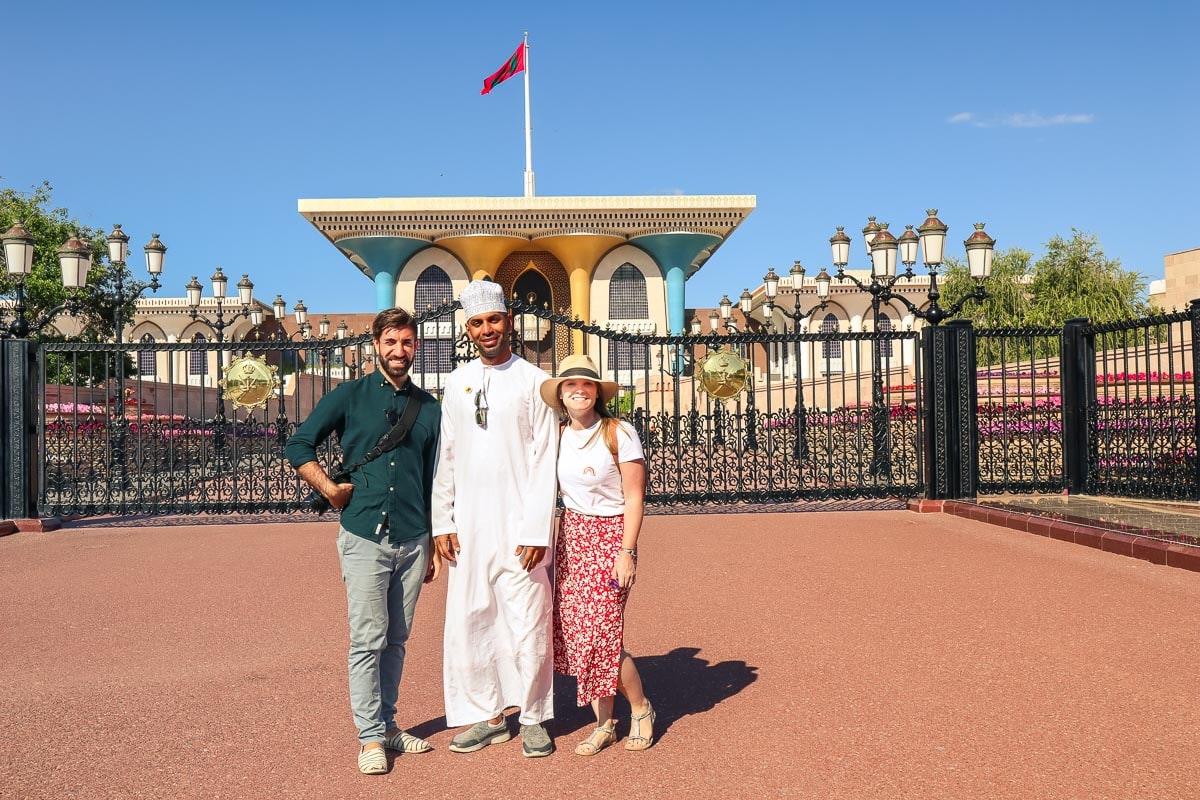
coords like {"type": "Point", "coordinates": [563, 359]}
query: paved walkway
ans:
{"type": "Point", "coordinates": [1175, 521]}
{"type": "Point", "coordinates": [866, 654]}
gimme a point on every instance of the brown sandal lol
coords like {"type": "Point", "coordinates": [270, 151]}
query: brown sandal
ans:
{"type": "Point", "coordinates": [599, 739]}
{"type": "Point", "coordinates": [637, 740]}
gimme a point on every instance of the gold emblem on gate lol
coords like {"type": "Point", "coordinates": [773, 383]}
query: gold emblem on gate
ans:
{"type": "Point", "coordinates": [249, 382]}
{"type": "Point", "coordinates": [722, 374]}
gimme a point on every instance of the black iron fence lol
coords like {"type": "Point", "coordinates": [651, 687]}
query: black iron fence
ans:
{"type": "Point", "coordinates": [1098, 409]}
{"type": "Point", "coordinates": [946, 412]}
{"type": "Point", "coordinates": [807, 421]}
{"type": "Point", "coordinates": [1141, 410]}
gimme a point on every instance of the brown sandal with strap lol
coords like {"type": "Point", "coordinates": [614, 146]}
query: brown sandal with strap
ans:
{"type": "Point", "coordinates": [599, 739]}
{"type": "Point", "coordinates": [637, 740]}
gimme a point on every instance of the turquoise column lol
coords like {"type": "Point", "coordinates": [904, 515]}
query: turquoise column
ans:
{"type": "Point", "coordinates": [676, 299]}
{"type": "Point", "coordinates": [385, 256]}
{"type": "Point", "coordinates": [675, 254]}
{"type": "Point", "coordinates": [385, 289]}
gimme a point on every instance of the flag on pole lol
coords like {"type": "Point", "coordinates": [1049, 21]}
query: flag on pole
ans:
{"type": "Point", "coordinates": [511, 67]}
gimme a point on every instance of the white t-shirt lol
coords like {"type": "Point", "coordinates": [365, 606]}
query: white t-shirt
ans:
{"type": "Point", "coordinates": [588, 480]}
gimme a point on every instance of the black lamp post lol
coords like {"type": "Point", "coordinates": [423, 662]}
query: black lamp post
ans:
{"type": "Point", "coordinates": [74, 258]}
{"type": "Point", "coordinates": [883, 248]}
{"type": "Point", "coordinates": [118, 251]}
{"type": "Point", "coordinates": [771, 290]}
{"type": "Point", "coordinates": [219, 283]}
{"type": "Point", "coordinates": [218, 323]}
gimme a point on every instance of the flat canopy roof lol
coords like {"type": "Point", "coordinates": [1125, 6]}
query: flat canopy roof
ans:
{"type": "Point", "coordinates": [434, 219]}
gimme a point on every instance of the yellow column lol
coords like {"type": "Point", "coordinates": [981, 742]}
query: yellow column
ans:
{"type": "Point", "coordinates": [580, 276]}
{"type": "Point", "coordinates": [480, 274]}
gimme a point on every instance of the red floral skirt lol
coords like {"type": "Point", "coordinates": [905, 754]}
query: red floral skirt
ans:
{"type": "Point", "coordinates": [589, 615]}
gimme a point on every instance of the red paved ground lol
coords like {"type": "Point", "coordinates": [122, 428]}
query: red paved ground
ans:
{"type": "Point", "coordinates": [846, 655]}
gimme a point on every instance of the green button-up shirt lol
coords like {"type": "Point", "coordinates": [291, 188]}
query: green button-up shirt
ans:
{"type": "Point", "coordinates": [391, 493]}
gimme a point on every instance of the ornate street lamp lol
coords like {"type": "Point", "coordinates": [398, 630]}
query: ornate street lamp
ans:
{"type": "Point", "coordinates": [726, 306]}
{"type": "Point", "coordinates": [796, 315]}
{"type": "Point", "coordinates": [884, 248]}
{"type": "Point", "coordinates": [118, 251]}
{"type": "Point", "coordinates": [219, 284]}
{"type": "Point", "coordinates": [74, 259]}
{"type": "Point", "coordinates": [771, 290]}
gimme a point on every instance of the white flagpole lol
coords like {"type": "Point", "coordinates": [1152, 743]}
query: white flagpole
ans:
{"type": "Point", "coordinates": [528, 136]}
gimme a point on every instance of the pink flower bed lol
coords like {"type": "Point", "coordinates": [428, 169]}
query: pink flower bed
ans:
{"type": "Point", "coordinates": [1143, 377]}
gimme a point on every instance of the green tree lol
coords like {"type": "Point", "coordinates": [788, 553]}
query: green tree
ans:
{"type": "Point", "coordinates": [50, 228]}
{"type": "Point", "coordinates": [1007, 303]}
{"type": "Point", "coordinates": [1075, 279]}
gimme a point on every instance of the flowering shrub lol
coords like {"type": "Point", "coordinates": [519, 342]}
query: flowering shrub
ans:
{"type": "Point", "coordinates": [1143, 377]}
{"type": "Point", "coordinates": [1012, 373]}
{"type": "Point", "coordinates": [1141, 417]}
{"type": "Point", "coordinates": [74, 408]}
{"type": "Point", "coordinates": [1000, 391]}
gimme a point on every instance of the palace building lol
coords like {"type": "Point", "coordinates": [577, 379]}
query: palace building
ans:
{"type": "Point", "coordinates": [620, 261]}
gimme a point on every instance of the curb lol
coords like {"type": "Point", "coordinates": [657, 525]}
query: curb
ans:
{"type": "Point", "coordinates": [1155, 551]}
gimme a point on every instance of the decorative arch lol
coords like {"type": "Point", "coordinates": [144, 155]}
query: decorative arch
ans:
{"type": "Point", "coordinates": [517, 264]}
{"type": "Point", "coordinates": [541, 351]}
{"type": "Point", "coordinates": [656, 286]}
{"type": "Point", "coordinates": [152, 328]}
{"type": "Point", "coordinates": [813, 323]}
{"type": "Point", "coordinates": [415, 267]}
{"type": "Point", "coordinates": [532, 282]}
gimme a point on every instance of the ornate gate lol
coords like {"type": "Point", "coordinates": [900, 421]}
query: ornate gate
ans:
{"type": "Point", "coordinates": [808, 420]}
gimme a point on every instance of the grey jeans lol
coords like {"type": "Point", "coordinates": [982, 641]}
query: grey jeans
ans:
{"type": "Point", "coordinates": [383, 582]}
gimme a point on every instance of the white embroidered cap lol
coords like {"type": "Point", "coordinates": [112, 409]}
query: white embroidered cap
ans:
{"type": "Point", "coordinates": [482, 297]}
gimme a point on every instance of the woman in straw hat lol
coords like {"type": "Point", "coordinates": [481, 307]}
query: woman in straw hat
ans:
{"type": "Point", "coordinates": [601, 477]}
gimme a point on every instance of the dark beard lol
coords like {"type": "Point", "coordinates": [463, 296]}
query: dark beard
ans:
{"type": "Point", "coordinates": [397, 374]}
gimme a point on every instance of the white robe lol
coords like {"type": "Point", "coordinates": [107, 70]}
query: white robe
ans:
{"type": "Point", "coordinates": [496, 488]}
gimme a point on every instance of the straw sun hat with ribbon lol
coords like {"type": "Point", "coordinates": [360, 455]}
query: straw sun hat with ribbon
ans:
{"type": "Point", "coordinates": [577, 367]}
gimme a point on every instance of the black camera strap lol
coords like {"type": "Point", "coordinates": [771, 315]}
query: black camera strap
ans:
{"type": "Point", "coordinates": [398, 433]}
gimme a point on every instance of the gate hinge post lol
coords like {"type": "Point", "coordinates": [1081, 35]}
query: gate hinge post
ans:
{"type": "Point", "coordinates": [18, 428]}
{"type": "Point", "coordinates": [1078, 383]}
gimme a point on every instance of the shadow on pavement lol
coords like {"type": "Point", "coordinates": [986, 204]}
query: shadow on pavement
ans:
{"type": "Point", "coordinates": [679, 683]}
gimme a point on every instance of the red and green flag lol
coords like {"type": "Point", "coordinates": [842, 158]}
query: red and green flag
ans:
{"type": "Point", "coordinates": [511, 67]}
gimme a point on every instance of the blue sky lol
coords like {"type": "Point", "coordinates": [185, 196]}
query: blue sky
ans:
{"type": "Point", "coordinates": [206, 122]}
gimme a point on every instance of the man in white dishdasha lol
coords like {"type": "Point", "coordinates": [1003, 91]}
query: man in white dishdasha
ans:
{"type": "Point", "coordinates": [493, 509]}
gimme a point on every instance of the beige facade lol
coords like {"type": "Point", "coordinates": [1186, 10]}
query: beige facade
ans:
{"type": "Point", "coordinates": [1181, 280]}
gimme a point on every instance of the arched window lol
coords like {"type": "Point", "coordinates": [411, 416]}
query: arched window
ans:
{"type": "Point", "coordinates": [147, 361]}
{"type": "Point", "coordinates": [198, 359]}
{"type": "Point", "coordinates": [884, 346]}
{"type": "Point", "coordinates": [437, 336]}
{"type": "Point", "coordinates": [627, 300]}
{"type": "Point", "coordinates": [830, 349]}
{"type": "Point", "coordinates": [433, 288]}
{"type": "Point", "coordinates": [627, 294]}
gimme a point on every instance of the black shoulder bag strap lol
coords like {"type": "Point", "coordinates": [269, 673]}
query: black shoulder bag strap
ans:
{"type": "Point", "coordinates": [392, 439]}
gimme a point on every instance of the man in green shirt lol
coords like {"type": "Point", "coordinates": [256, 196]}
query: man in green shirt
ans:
{"type": "Point", "coordinates": [384, 542]}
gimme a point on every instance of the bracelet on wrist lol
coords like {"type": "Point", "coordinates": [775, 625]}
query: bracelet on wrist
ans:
{"type": "Point", "coordinates": [630, 550]}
